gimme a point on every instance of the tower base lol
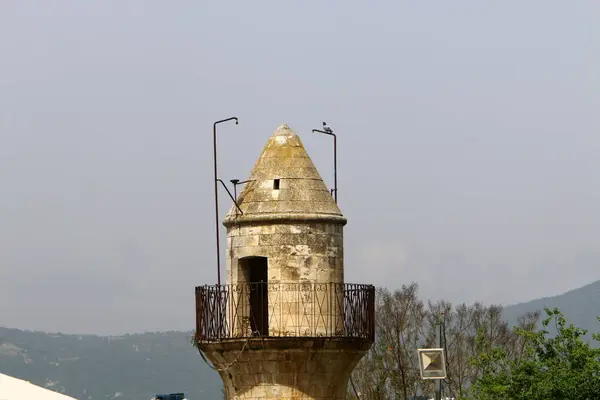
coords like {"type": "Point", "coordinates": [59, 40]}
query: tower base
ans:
{"type": "Point", "coordinates": [286, 368]}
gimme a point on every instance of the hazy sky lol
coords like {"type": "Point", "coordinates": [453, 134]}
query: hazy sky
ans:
{"type": "Point", "coordinates": [469, 146]}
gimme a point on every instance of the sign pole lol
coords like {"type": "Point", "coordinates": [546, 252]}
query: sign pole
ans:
{"type": "Point", "coordinates": [438, 382]}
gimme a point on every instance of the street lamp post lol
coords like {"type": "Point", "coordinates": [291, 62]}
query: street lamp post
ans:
{"type": "Point", "coordinates": [217, 194]}
{"type": "Point", "coordinates": [335, 188]}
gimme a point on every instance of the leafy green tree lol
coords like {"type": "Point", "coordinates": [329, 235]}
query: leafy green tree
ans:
{"type": "Point", "coordinates": [552, 366]}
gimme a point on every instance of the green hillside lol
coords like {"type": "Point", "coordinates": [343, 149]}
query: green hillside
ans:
{"type": "Point", "coordinates": [93, 367]}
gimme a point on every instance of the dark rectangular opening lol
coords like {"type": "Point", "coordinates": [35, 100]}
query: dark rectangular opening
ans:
{"type": "Point", "coordinates": [276, 184]}
{"type": "Point", "coordinates": [257, 273]}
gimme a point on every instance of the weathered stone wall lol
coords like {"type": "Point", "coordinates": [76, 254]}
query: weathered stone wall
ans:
{"type": "Point", "coordinates": [297, 252]}
{"type": "Point", "coordinates": [308, 253]}
{"type": "Point", "coordinates": [286, 369]}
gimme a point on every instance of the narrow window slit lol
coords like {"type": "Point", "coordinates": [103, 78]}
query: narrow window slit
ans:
{"type": "Point", "coordinates": [276, 184]}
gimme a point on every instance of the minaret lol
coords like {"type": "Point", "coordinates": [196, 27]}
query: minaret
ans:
{"type": "Point", "coordinates": [285, 326]}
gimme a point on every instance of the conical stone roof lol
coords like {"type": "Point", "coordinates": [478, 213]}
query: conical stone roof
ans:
{"type": "Point", "coordinates": [284, 185]}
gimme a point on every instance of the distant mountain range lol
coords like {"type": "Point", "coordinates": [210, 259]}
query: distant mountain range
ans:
{"type": "Point", "coordinates": [136, 367]}
{"type": "Point", "coordinates": [128, 367]}
{"type": "Point", "coordinates": [580, 307]}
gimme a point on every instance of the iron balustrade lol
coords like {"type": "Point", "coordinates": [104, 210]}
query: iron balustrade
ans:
{"type": "Point", "coordinates": [263, 309]}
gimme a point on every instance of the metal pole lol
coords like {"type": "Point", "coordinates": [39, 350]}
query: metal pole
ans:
{"type": "Point", "coordinates": [217, 196]}
{"type": "Point", "coordinates": [438, 382]}
{"type": "Point", "coordinates": [235, 183]}
{"type": "Point", "coordinates": [230, 195]}
{"type": "Point", "coordinates": [335, 188]}
{"type": "Point", "coordinates": [335, 167]}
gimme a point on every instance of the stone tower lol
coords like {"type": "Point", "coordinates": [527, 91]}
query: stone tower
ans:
{"type": "Point", "coordinates": [285, 325]}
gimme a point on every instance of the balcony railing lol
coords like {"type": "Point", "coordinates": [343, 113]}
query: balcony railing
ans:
{"type": "Point", "coordinates": [285, 310]}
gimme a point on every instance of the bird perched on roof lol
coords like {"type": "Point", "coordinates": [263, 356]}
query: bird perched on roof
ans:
{"type": "Point", "coordinates": [326, 128]}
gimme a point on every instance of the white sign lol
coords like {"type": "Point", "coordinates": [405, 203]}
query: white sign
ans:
{"type": "Point", "coordinates": [432, 363]}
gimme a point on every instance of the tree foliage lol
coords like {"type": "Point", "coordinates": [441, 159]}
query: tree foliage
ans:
{"type": "Point", "coordinates": [552, 366]}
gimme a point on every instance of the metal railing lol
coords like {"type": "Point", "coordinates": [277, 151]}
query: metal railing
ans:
{"type": "Point", "coordinates": [285, 310]}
